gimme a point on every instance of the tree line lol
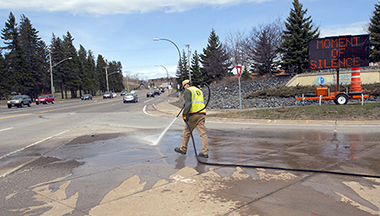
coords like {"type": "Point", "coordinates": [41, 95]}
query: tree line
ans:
{"type": "Point", "coordinates": [25, 63]}
{"type": "Point", "coordinates": [267, 49]}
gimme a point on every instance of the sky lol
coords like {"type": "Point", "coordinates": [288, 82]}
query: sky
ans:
{"type": "Point", "coordinates": [123, 30]}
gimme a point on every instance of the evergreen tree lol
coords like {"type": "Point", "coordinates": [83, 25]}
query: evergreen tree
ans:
{"type": "Point", "coordinates": [57, 55]}
{"type": "Point", "coordinates": [179, 73]}
{"type": "Point", "coordinates": [198, 77]}
{"type": "Point", "coordinates": [296, 36]}
{"type": "Point", "coordinates": [91, 67]}
{"type": "Point", "coordinates": [4, 84]}
{"type": "Point", "coordinates": [262, 60]}
{"type": "Point", "coordinates": [101, 73]}
{"type": "Point", "coordinates": [185, 65]}
{"type": "Point", "coordinates": [245, 75]}
{"type": "Point", "coordinates": [374, 30]}
{"type": "Point", "coordinates": [215, 59]}
{"type": "Point", "coordinates": [84, 75]}
{"type": "Point", "coordinates": [17, 68]}
{"type": "Point", "coordinates": [182, 72]}
{"type": "Point", "coordinates": [36, 56]}
{"type": "Point", "coordinates": [115, 76]}
{"type": "Point", "coordinates": [262, 48]}
{"type": "Point", "coordinates": [71, 67]}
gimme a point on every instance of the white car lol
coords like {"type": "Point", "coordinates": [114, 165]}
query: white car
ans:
{"type": "Point", "coordinates": [114, 94]}
{"type": "Point", "coordinates": [107, 95]}
{"type": "Point", "coordinates": [130, 97]}
{"type": "Point", "coordinates": [19, 101]}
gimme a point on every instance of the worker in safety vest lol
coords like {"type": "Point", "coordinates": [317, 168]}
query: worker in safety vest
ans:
{"type": "Point", "coordinates": [194, 113]}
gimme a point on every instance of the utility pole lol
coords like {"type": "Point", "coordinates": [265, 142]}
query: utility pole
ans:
{"type": "Point", "coordinates": [107, 78]}
{"type": "Point", "coordinates": [51, 75]}
{"type": "Point", "coordinates": [188, 60]}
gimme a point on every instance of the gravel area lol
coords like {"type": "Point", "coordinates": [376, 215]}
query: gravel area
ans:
{"type": "Point", "coordinates": [226, 96]}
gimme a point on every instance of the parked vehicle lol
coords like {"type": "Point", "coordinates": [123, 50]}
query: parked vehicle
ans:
{"type": "Point", "coordinates": [107, 95]}
{"type": "Point", "coordinates": [149, 94]}
{"type": "Point", "coordinates": [46, 98]}
{"type": "Point", "coordinates": [19, 101]}
{"type": "Point", "coordinates": [157, 92]}
{"type": "Point", "coordinates": [86, 97]}
{"type": "Point", "coordinates": [130, 97]}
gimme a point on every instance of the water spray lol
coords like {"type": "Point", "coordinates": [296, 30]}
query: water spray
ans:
{"type": "Point", "coordinates": [167, 128]}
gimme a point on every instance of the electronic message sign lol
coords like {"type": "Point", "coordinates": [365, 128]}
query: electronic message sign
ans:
{"type": "Point", "coordinates": [339, 52]}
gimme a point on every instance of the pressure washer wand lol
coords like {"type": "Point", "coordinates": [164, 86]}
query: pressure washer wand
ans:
{"type": "Point", "coordinates": [180, 111]}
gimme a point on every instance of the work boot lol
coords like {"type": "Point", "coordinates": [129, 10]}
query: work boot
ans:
{"type": "Point", "coordinates": [203, 155]}
{"type": "Point", "coordinates": [178, 150]}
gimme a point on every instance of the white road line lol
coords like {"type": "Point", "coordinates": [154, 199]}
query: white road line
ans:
{"type": "Point", "coordinates": [5, 129]}
{"type": "Point", "coordinates": [146, 113]}
{"type": "Point", "coordinates": [33, 144]}
{"type": "Point", "coordinates": [148, 100]}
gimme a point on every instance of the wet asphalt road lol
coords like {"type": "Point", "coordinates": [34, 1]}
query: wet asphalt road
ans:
{"type": "Point", "coordinates": [101, 158]}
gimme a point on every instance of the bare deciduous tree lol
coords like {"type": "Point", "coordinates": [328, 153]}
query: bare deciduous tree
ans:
{"type": "Point", "coordinates": [259, 50]}
{"type": "Point", "coordinates": [261, 47]}
{"type": "Point", "coordinates": [235, 48]}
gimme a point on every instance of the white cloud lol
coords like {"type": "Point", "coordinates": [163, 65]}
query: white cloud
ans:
{"type": "Point", "coordinates": [350, 29]}
{"type": "Point", "coordinates": [101, 7]}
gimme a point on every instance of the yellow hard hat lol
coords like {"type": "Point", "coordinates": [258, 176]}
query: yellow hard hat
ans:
{"type": "Point", "coordinates": [185, 82]}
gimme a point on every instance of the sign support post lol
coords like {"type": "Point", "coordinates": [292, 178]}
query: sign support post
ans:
{"type": "Point", "coordinates": [238, 69]}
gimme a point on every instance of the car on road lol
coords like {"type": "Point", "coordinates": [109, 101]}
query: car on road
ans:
{"type": "Point", "coordinates": [123, 93]}
{"type": "Point", "coordinates": [19, 101]}
{"type": "Point", "coordinates": [157, 92]}
{"type": "Point", "coordinates": [149, 94]}
{"type": "Point", "coordinates": [86, 97]}
{"type": "Point", "coordinates": [44, 99]}
{"type": "Point", "coordinates": [107, 95]}
{"type": "Point", "coordinates": [114, 94]}
{"type": "Point", "coordinates": [130, 97]}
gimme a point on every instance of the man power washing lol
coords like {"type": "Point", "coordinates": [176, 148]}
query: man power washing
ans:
{"type": "Point", "coordinates": [194, 113]}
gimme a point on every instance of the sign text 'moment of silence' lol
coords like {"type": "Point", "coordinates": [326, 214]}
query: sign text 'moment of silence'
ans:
{"type": "Point", "coordinates": [339, 52]}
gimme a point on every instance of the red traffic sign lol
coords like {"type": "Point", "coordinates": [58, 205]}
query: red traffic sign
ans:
{"type": "Point", "coordinates": [238, 69]}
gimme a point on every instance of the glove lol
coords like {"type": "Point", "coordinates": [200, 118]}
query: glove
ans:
{"type": "Point", "coordinates": [185, 117]}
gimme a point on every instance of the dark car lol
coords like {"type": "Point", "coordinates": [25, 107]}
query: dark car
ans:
{"type": "Point", "coordinates": [44, 99]}
{"type": "Point", "coordinates": [107, 95]}
{"type": "Point", "coordinates": [162, 90]}
{"type": "Point", "coordinates": [123, 93]}
{"type": "Point", "coordinates": [86, 97]}
{"type": "Point", "coordinates": [130, 97]}
{"type": "Point", "coordinates": [19, 101]}
{"type": "Point", "coordinates": [149, 94]}
{"type": "Point", "coordinates": [157, 92]}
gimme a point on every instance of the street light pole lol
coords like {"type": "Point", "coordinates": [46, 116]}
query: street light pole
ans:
{"type": "Point", "coordinates": [51, 70]}
{"type": "Point", "coordinates": [167, 73]}
{"type": "Point", "coordinates": [179, 53]}
{"type": "Point", "coordinates": [107, 75]}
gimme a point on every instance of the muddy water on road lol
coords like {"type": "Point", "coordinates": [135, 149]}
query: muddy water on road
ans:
{"type": "Point", "coordinates": [131, 163]}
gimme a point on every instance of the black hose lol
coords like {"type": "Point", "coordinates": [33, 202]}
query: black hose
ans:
{"type": "Point", "coordinates": [268, 167]}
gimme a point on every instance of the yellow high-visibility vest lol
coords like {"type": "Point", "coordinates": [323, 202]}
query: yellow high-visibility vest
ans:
{"type": "Point", "coordinates": [197, 102]}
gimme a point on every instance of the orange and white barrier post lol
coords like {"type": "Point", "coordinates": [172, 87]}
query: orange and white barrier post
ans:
{"type": "Point", "coordinates": [356, 84]}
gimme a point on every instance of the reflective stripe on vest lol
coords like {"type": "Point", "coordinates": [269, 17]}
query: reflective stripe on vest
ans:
{"type": "Point", "coordinates": [197, 102]}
